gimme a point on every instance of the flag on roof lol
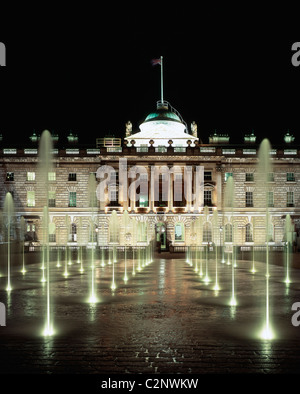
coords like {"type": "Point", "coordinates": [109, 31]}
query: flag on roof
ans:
{"type": "Point", "coordinates": [154, 62]}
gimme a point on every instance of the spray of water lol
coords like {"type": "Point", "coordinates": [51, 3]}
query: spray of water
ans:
{"type": "Point", "coordinates": [229, 206]}
{"type": "Point", "coordinates": [45, 166]}
{"type": "Point", "coordinates": [263, 171]}
{"type": "Point", "coordinates": [8, 221]}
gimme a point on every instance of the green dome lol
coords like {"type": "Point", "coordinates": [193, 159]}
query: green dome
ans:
{"type": "Point", "coordinates": [162, 115]}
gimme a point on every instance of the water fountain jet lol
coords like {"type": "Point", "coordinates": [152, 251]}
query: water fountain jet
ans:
{"type": "Point", "coordinates": [8, 220]}
{"type": "Point", "coordinates": [264, 169]}
{"type": "Point", "coordinates": [45, 167]}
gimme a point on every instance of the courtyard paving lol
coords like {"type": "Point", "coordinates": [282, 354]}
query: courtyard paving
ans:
{"type": "Point", "coordinates": [164, 320]}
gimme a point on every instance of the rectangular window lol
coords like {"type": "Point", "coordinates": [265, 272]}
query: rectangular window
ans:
{"type": "Point", "coordinates": [207, 176]}
{"type": "Point", "coordinates": [207, 198]}
{"type": "Point", "coordinates": [249, 177]}
{"type": "Point", "coordinates": [72, 199]}
{"type": "Point", "coordinates": [249, 199]}
{"type": "Point", "coordinates": [290, 199]}
{"type": "Point", "coordinates": [52, 199]}
{"type": "Point", "coordinates": [228, 232]}
{"type": "Point", "coordinates": [249, 237]}
{"type": "Point", "coordinates": [10, 177]}
{"type": "Point", "coordinates": [52, 237]}
{"type": "Point", "coordinates": [270, 199]}
{"type": "Point", "coordinates": [290, 177]}
{"type": "Point", "coordinates": [271, 177]}
{"type": "Point", "coordinates": [114, 197]}
{"type": "Point", "coordinates": [179, 232]}
{"type": "Point", "coordinates": [227, 175]}
{"type": "Point", "coordinates": [72, 177]}
{"type": "Point", "coordinates": [30, 176]}
{"type": "Point", "coordinates": [51, 176]}
{"type": "Point", "coordinates": [207, 232]}
{"type": "Point", "coordinates": [114, 176]}
{"type": "Point", "coordinates": [161, 149]}
{"type": "Point", "coordinates": [30, 198]}
{"type": "Point", "coordinates": [143, 202]}
{"type": "Point", "coordinates": [142, 148]}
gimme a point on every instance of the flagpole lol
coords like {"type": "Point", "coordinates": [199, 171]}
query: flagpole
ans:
{"type": "Point", "coordinates": [161, 80]}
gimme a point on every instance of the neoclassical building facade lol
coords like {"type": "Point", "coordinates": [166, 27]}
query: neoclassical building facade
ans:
{"type": "Point", "coordinates": [161, 184]}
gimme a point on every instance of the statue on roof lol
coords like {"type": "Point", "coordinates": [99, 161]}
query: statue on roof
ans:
{"type": "Point", "coordinates": [128, 128]}
{"type": "Point", "coordinates": [194, 129]}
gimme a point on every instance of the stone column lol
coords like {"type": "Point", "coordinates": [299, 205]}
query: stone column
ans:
{"type": "Point", "coordinates": [170, 193]}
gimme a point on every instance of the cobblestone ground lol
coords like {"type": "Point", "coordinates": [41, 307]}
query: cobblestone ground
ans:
{"type": "Point", "coordinates": [165, 319]}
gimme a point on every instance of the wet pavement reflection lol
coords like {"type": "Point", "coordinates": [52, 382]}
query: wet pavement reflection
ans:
{"type": "Point", "coordinates": [164, 319]}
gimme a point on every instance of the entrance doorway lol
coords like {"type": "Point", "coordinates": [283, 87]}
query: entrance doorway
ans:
{"type": "Point", "coordinates": [161, 236]}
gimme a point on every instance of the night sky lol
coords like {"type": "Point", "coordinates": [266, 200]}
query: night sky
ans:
{"type": "Point", "coordinates": [90, 79]}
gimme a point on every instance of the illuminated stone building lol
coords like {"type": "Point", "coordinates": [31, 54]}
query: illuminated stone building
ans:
{"type": "Point", "coordinates": [181, 177]}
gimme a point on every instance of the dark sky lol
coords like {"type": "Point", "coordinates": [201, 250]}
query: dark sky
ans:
{"type": "Point", "coordinates": [91, 78]}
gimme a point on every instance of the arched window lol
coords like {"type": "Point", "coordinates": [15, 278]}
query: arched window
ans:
{"type": "Point", "coordinates": [52, 232]}
{"type": "Point", "coordinates": [270, 233]}
{"type": "Point", "coordinates": [179, 232]}
{"type": "Point", "coordinates": [228, 232]}
{"type": "Point", "coordinates": [249, 234]}
{"type": "Point", "coordinates": [73, 233]}
{"type": "Point", "coordinates": [142, 232]}
{"type": "Point", "coordinates": [207, 233]}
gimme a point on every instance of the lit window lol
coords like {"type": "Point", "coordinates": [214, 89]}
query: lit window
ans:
{"type": "Point", "coordinates": [249, 199]}
{"type": "Point", "coordinates": [207, 233]}
{"type": "Point", "coordinates": [207, 198]}
{"type": "Point", "coordinates": [51, 176]}
{"type": "Point", "coordinates": [227, 175]}
{"type": "Point", "coordinates": [249, 177]}
{"type": "Point", "coordinates": [290, 199]}
{"type": "Point", "coordinates": [10, 176]}
{"type": "Point", "coordinates": [290, 177]}
{"type": "Point", "coordinates": [143, 202]}
{"type": "Point", "coordinates": [30, 176]}
{"type": "Point", "coordinates": [228, 232]}
{"type": "Point", "coordinates": [249, 237]}
{"type": "Point", "coordinates": [52, 199]}
{"type": "Point", "coordinates": [72, 199]}
{"type": "Point", "coordinates": [270, 199]}
{"type": "Point", "coordinates": [73, 233]}
{"type": "Point", "coordinates": [179, 232]}
{"type": "Point", "coordinates": [52, 232]}
{"type": "Point", "coordinates": [114, 195]}
{"type": "Point", "coordinates": [30, 198]}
